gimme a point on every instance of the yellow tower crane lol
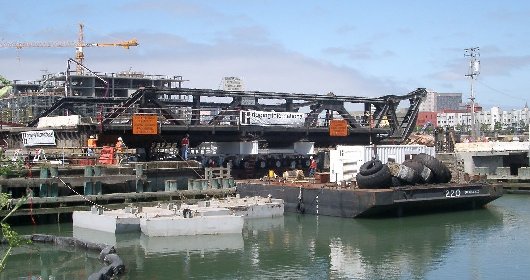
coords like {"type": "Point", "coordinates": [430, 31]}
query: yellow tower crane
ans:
{"type": "Point", "coordinates": [79, 45]}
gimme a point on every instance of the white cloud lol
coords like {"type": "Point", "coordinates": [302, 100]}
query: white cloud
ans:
{"type": "Point", "coordinates": [264, 67]}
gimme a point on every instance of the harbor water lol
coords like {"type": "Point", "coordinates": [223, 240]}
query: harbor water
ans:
{"type": "Point", "coordinates": [490, 243]}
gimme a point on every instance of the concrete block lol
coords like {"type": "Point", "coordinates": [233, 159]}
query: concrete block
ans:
{"type": "Point", "coordinates": [170, 185]}
{"type": "Point", "coordinates": [88, 188]}
{"type": "Point", "coordinates": [97, 170]}
{"type": "Point", "coordinates": [200, 224]}
{"type": "Point", "coordinates": [54, 171]}
{"type": "Point", "coordinates": [139, 170]}
{"type": "Point", "coordinates": [481, 170]}
{"type": "Point", "coordinates": [502, 171]}
{"type": "Point", "coordinates": [523, 172]}
{"type": "Point", "coordinates": [53, 190]}
{"type": "Point", "coordinates": [226, 183]}
{"type": "Point", "coordinates": [215, 183]}
{"type": "Point", "coordinates": [139, 186]}
{"type": "Point", "coordinates": [43, 190]}
{"type": "Point", "coordinates": [200, 184]}
{"type": "Point", "coordinates": [147, 186]}
{"type": "Point", "coordinates": [44, 173]}
{"type": "Point", "coordinates": [97, 188]}
{"type": "Point", "coordinates": [89, 171]}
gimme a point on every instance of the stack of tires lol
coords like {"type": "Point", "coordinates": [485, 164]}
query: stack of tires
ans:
{"type": "Point", "coordinates": [374, 174]}
{"type": "Point", "coordinates": [440, 172]}
{"type": "Point", "coordinates": [422, 169]}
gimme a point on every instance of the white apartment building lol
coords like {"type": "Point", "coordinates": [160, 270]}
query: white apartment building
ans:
{"type": "Point", "coordinates": [454, 119]}
{"type": "Point", "coordinates": [517, 118]}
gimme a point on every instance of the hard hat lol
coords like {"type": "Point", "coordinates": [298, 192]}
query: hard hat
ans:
{"type": "Point", "coordinates": [311, 157]}
{"type": "Point", "coordinates": [119, 139]}
{"type": "Point", "coordinates": [91, 136]}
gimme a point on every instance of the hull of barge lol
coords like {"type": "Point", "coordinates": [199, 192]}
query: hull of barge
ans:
{"type": "Point", "coordinates": [356, 203]}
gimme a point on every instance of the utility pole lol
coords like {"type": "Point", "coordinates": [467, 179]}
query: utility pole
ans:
{"type": "Point", "coordinates": [473, 72]}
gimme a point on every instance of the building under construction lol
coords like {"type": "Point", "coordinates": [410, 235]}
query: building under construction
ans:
{"type": "Point", "coordinates": [28, 100]}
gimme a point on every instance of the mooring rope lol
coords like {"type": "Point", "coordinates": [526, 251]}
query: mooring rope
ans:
{"type": "Point", "coordinates": [83, 196]}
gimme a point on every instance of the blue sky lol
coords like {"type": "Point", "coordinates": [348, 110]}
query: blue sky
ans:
{"type": "Point", "coordinates": [361, 48]}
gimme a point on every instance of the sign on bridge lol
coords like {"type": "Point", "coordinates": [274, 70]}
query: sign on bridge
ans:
{"type": "Point", "coordinates": [38, 138]}
{"type": "Point", "coordinates": [263, 118]}
{"type": "Point", "coordinates": [233, 84]}
{"type": "Point", "coordinates": [146, 124]}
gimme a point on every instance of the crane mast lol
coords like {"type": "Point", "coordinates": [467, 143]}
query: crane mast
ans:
{"type": "Point", "coordinates": [79, 46]}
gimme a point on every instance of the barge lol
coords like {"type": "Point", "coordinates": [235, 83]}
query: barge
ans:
{"type": "Point", "coordinates": [330, 200]}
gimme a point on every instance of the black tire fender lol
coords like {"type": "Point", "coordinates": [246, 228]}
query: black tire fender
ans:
{"type": "Point", "coordinates": [418, 168]}
{"type": "Point", "coordinates": [441, 173]}
{"type": "Point", "coordinates": [396, 182]}
{"type": "Point", "coordinates": [370, 167]}
{"type": "Point", "coordinates": [379, 180]}
{"type": "Point", "coordinates": [407, 174]}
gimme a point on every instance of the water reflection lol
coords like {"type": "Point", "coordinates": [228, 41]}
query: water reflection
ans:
{"type": "Point", "coordinates": [291, 247]}
{"type": "Point", "coordinates": [121, 240]}
{"type": "Point", "coordinates": [42, 261]}
{"type": "Point", "coordinates": [403, 248]}
{"type": "Point", "coordinates": [310, 247]}
{"type": "Point", "coordinates": [157, 246]}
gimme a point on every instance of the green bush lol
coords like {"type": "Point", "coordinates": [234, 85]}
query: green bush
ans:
{"type": "Point", "coordinates": [12, 238]}
{"type": "Point", "coordinates": [12, 169]}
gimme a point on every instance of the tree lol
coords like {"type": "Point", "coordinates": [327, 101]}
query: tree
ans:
{"type": "Point", "coordinates": [12, 238]}
{"type": "Point", "coordinates": [485, 129]}
{"type": "Point", "coordinates": [4, 82]}
{"type": "Point", "coordinates": [497, 127]}
{"type": "Point", "coordinates": [522, 126]}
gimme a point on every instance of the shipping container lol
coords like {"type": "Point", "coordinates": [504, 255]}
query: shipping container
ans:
{"type": "Point", "coordinates": [345, 161]}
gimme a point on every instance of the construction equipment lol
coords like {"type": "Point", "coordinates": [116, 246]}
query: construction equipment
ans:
{"type": "Point", "coordinates": [79, 45]}
{"type": "Point", "coordinates": [425, 126]}
{"type": "Point", "coordinates": [422, 137]}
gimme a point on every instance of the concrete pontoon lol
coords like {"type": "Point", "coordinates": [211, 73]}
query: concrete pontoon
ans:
{"type": "Point", "coordinates": [114, 221]}
{"type": "Point", "coordinates": [192, 221]}
{"type": "Point", "coordinates": [250, 207]}
{"type": "Point", "coordinates": [169, 219]}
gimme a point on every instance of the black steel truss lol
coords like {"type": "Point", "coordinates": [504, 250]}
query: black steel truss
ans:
{"type": "Point", "coordinates": [147, 99]}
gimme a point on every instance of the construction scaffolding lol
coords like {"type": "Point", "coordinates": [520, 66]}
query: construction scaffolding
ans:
{"type": "Point", "coordinates": [28, 100]}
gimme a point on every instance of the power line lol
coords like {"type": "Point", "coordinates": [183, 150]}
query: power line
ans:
{"type": "Point", "coordinates": [501, 92]}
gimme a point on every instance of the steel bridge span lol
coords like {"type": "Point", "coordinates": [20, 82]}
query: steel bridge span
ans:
{"type": "Point", "coordinates": [214, 116]}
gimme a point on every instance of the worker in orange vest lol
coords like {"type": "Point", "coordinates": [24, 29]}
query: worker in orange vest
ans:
{"type": "Point", "coordinates": [91, 145]}
{"type": "Point", "coordinates": [120, 145]}
{"type": "Point", "coordinates": [312, 166]}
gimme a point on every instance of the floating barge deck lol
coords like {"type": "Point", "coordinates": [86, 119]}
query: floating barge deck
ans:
{"type": "Point", "coordinates": [319, 199]}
